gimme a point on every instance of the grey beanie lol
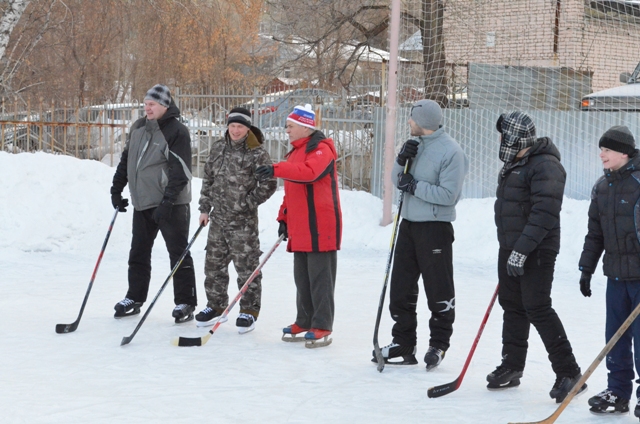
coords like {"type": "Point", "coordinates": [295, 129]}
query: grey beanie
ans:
{"type": "Point", "coordinates": [619, 139]}
{"type": "Point", "coordinates": [160, 94]}
{"type": "Point", "coordinates": [427, 114]}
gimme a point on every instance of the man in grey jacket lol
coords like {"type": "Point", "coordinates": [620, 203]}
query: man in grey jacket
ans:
{"type": "Point", "coordinates": [156, 164]}
{"type": "Point", "coordinates": [430, 169]}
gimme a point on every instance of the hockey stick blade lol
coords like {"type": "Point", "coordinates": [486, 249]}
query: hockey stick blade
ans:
{"type": "Point", "coordinates": [201, 341]}
{"type": "Point", "coordinates": [603, 353]}
{"type": "Point", "coordinates": [444, 389]}
{"type": "Point", "coordinates": [70, 328]}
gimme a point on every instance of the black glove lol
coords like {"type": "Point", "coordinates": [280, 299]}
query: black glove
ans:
{"type": "Point", "coordinates": [585, 284]}
{"type": "Point", "coordinates": [409, 150]}
{"type": "Point", "coordinates": [515, 264]}
{"type": "Point", "coordinates": [264, 172]}
{"type": "Point", "coordinates": [407, 183]}
{"type": "Point", "coordinates": [163, 211]}
{"type": "Point", "coordinates": [282, 229]}
{"type": "Point", "coordinates": [118, 202]}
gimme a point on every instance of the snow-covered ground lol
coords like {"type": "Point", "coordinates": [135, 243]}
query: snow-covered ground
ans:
{"type": "Point", "coordinates": [54, 214]}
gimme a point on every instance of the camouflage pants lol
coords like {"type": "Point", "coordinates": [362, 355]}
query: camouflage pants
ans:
{"type": "Point", "coordinates": [240, 244]}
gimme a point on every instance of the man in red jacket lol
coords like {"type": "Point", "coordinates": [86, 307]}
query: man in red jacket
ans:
{"type": "Point", "coordinates": [311, 219]}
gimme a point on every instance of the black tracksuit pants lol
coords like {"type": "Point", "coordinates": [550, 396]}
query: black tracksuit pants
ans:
{"type": "Point", "coordinates": [527, 300]}
{"type": "Point", "coordinates": [175, 232]}
{"type": "Point", "coordinates": [423, 248]}
{"type": "Point", "coordinates": [315, 277]}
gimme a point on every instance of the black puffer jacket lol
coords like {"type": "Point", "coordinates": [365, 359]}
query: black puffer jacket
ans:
{"type": "Point", "coordinates": [529, 199]}
{"type": "Point", "coordinates": [614, 222]}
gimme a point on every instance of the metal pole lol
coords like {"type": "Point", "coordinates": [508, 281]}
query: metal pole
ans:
{"type": "Point", "coordinates": [390, 128]}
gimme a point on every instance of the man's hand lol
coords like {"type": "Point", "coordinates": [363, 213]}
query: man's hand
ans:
{"type": "Point", "coordinates": [407, 183]}
{"type": "Point", "coordinates": [118, 202]}
{"type": "Point", "coordinates": [204, 219]}
{"type": "Point", "coordinates": [162, 212]}
{"type": "Point", "coordinates": [515, 264]}
{"type": "Point", "coordinates": [282, 229]}
{"type": "Point", "coordinates": [264, 172]}
{"type": "Point", "coordinates": [585, 284]}
{"type": "Point", "coordinates": [409, 150]}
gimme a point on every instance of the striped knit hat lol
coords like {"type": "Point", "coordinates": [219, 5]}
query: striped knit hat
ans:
{"type": "Point", "coordinates": [239, 115]}
{"type": "Point", "coordinates": [160, 94]}
{"type": "Point", "coordinates": [303, 115]}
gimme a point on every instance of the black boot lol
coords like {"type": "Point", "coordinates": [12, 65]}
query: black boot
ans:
{"type": "Point", "coordinates": [503, 378]}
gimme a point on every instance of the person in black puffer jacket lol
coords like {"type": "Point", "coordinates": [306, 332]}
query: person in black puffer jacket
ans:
{"type": "Point", "coordinates": [613, 229]}
{"type": "Point", "coordinates": [527, 216]}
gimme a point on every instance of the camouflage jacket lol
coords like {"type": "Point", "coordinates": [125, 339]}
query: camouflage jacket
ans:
{"type": "Point", "coordinates": [230, 192]}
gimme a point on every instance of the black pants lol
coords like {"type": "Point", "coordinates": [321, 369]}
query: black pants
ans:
{"type": "Point", "coordinates": [423, 248]}
{"type": "Point", "coordinates": [527, 300]}
{"type": "Point", "coordinates": [315, 277]}
{"type": "Point", "coordinates": [175, 232]}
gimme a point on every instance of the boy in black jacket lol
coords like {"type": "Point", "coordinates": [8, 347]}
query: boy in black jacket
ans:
{"type": "Point", "coordinates": [613, 228]}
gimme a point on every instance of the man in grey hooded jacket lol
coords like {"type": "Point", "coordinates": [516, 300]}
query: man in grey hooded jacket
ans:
{"type": "Point", "coordinates": [156, 164]}
{"type": "Point", "coordinates": [430, 169]}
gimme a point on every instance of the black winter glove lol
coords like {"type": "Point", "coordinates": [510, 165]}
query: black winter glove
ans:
{"type": "Point", "coordinates": [118, 202]}
{"type": "Point", "coordinates": [409, 150]}
{"type": "Point", "coordinates": [162, 212]}
{"type": "Point", "coordinates": [515, 264]}
{"type": "Point", "coordinates": [585, 284]}
{"type": "Point", "coordinates": [407, 183]}
{"type": "Point", "coordinates": [264, 172]}
{"type": "Point", "coordinates": [282, 229]}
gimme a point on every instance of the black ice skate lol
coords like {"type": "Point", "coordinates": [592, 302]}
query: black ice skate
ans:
{"type": "Point", "coordinates": [563, 386]}
{"type": "Point", "coordinates": [126, 307]}
{"type": "Point", "coordinates": [636, 411]}
{"type": "Point", "coordinates": [209, 316]}
{"type": "Point", "coordinates": [245, 323]}
{"type": "Point", "coordinates": [183, 313]}
{"type": "Point", "coordinates": [433, 357]}
{"type": "Point", "coordinates": [503, 378]}
{"type": "Point", "coordinates": [406, 355]}
{"type": "Point", "coordinates": [606, 402]}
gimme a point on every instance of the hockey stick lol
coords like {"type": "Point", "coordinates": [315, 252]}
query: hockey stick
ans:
{"type": "Point", "coordinates": [394, 235]}
{"type": "Point", "coordinates": [603, 353]}
{"type": "Point", "coordinates": [70, 328]}
{"type": "Point", "coordinates": [127, 339]}
{"type": "Point", "coordinates": [445, 389]}
{"type": "Point", "coordinates": [199, 341]}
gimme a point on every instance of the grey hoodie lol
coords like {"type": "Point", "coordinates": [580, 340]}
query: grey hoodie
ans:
{"type": "Point", "coordinates": [439, 168]}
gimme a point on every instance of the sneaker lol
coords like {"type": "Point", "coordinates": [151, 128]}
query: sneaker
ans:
{"type": "Point", "coordinates": [290, 333]}
{"type": "Point", "coordinates": [209, 316]}
{"type": "Point", "coordinates": [127, 307]}
{"type": "Point", "coordinates": [183, 313]}
{"type": "Point", "coordinates": [606, 402]}
{"type": "Point", "coordinates": [503, 377]}
{"type": "Point", "coordinates": [563, 386]}
{"type": "Point", "coordinates": [433, 357]}
{"type": "Point", "coordinates": [394, 350]}
{"type": "Point", "coordinates": [245, 323]}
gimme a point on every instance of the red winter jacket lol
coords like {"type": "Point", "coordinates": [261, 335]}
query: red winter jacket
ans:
{"type": "Point", "coordinates": [311, 204]}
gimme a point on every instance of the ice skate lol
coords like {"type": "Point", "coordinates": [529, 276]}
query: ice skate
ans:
{"type": "Point", "coordinates": [209, 316]}
{"type": "Point", "coordinates": [183, 313]}
{"type": "Point", "coordinates": [317, 337]}
{"type": "Point", "coordinates": [563, 386]}
{"type": "Point", "coordinates": [433, 357]}
{"type": "Point", "coordinates": [503, 378]}
{"type": "Point", "coordinates": [292, 333]}
{"type": "Point", "coordinates": [606, 402]}
{"type": "Point", "coordinates": [406, 355]}
{"type": "Point", "coordinates": [245, 323]}
{"type": "Point", "coordinates": [126, 307]}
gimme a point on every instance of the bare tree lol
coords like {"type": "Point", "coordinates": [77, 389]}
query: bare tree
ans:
{"type": "Point", "coordinates": [12, 13]}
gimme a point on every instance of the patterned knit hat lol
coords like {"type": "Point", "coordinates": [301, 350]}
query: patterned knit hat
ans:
{"type": "Point", "coordinates": [518, 132]}
{"type": "Point", "coordinates": [239, 115]}
{"type": "Point", "coordinates": [303, 115]}
{"type": "Point", "coordinates": [160, 94]}
{"type": "Point", "coordinates": [619, 139]}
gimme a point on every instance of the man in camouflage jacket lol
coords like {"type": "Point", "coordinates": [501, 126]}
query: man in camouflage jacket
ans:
{"type": "Point", "coordinates": [230, 198]}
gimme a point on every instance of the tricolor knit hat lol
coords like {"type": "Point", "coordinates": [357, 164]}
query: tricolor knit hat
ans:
{"type": "Point", "coordinates": [303, 115]}
{"type": "Point", "coordinates": [620, 139]}
{"type": "Point", "coordinates": [160, 94]}
{"type": "Point", "coordinates": [239, 115]}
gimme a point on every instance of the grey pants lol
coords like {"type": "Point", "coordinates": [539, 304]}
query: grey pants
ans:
{"type": "Point", "coordinates": [315, 277]}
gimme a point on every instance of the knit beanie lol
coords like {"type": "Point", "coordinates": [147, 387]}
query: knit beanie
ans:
{"type": "Point", "coordinates": [427, 114]}
{"type": "Point", "coordinates": [239, 115]}
{"type": "Point", "coordinates": [303, 115]}
{"type": "Point", "coordinates": [160, 94]}
{"type": "Point", "coordinates": [619, 139]}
